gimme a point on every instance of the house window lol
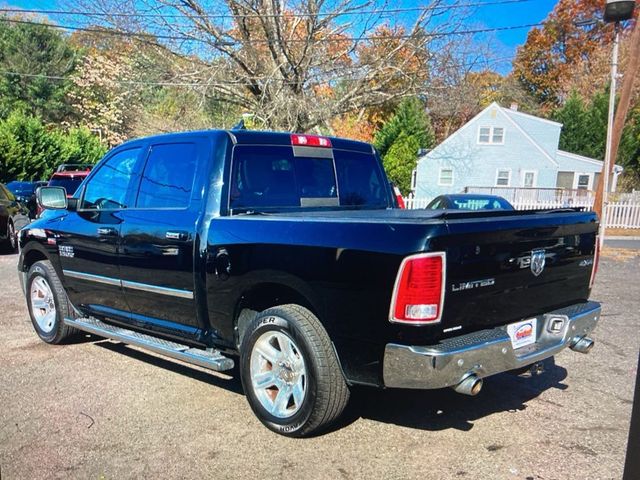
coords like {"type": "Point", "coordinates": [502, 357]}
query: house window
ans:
{"type": "Point", "coordinates": [484, 135]}
{"type": "Point", "coordinates": [497, 135]}
{"type": "Point", "coordinates": [584, 182]}
{"type": "Point", "coordinates": [529, 178]}
{"type": "Point", "coordinates": [503, 177]}
{"type": "Point", "coordinates": [446, 177]}
{"type": "Point", "coordinates": [565, 180]}
{"type": "Point", "coordinates": [491, 135]}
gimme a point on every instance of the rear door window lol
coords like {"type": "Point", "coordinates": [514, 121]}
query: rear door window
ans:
{"type": "Point", "coordinates": [167, 179]}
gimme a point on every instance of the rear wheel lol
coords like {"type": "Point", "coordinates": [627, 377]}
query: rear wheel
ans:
{"type": "Point", "coordinates": [290, 372]}
{"type": "Point", "coordinates": [48, 303]}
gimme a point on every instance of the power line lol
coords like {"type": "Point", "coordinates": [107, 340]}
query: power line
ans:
{"type": "Point", "coordinates": [267, 42]}
{"type": "Point", "coordinates": [268, 15]}
{"type": "Point", "coordinates": [220, 82]}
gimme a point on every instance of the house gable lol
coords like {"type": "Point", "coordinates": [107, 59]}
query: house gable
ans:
{"type": "Point", "coordinates": [476, 163]}
{"type": "Point", "coordinates": [545, 133]}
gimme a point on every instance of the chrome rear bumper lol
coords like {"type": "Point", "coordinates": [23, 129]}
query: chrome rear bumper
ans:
{"type": "Point", "coordinates": [485, 352]}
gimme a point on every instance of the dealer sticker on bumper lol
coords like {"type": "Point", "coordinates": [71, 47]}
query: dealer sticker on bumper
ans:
{"type": "Point", "coordinates": [522, 333]}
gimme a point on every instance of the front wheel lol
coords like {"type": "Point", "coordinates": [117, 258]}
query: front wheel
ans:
{"type": "Point", "coordinates": [48, 303]}
{"type": "Point", "coordinates": [290, 372]}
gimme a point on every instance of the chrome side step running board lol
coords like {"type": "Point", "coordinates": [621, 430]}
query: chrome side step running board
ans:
{"type": "Point", "coordinates": [211, 359]}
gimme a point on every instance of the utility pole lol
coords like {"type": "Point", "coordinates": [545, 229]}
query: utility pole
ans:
{"type": "Point", "coordinates": [615, 130]}
{"type": "Point", "coordinates": [608, 161]}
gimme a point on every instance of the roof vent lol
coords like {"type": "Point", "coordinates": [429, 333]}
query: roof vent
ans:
{"type": "Point", "coordinates": [514, 106]}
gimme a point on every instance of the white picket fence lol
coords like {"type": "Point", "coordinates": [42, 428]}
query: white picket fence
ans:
{"type": "Point", "coordinates": [624, 214]}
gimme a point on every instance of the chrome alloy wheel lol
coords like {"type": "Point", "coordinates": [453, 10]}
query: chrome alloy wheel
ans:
{"type": "Point", "coordinates": [278, 374]}
{"type": "Point", "coordinates": [13, 241]}
{"type": "Point", "coordinates": [43, 305]}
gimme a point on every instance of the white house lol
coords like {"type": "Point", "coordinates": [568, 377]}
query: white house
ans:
{"type": "Point", "coordinates": [500, 150]}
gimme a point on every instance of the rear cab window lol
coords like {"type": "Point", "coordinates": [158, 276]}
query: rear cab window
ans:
{"type": "Point", "coordinates": [273, 178]}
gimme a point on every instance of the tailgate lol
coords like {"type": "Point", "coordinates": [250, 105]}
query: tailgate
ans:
{"type": "Point", "coordinates": [501, 269]}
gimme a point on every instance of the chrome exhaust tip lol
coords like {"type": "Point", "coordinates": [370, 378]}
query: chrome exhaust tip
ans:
{"type": "Point", "coordinates": [471, 385]}
{"type": "Point", "coordinates": [583, 345]}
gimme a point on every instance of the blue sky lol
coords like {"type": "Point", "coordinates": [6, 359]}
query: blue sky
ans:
{"type": "Point", "coordinates": [503, 43]}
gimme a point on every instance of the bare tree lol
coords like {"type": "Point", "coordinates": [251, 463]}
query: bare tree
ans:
{"type": "Point", "coordinates": [294, 64]}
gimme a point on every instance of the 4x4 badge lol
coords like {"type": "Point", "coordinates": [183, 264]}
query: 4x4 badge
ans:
{"type": "Point", "coordinates": [538, 260]}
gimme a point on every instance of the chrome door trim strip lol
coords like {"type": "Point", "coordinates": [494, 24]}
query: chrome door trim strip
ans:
{"type": "Point", "coordinates": [92, 278]}
{"type": "Point", "coordinates": [145, 287]}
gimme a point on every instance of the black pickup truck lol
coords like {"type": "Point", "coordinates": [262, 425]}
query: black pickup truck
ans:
{"type": "Point", "coordinates": [283, 252]}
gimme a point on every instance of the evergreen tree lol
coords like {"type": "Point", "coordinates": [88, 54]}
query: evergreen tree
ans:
{"type": "Point", "coordinates": [584, 129]}
{"type": "Point", "coordinates": [28, 49]}
{"type": "Point", "coordinates": [595, 129]}
{"type": "Point", "coordinates": [399, 140]}
{"type": "Point", "coordinates": [400, 161]}
{"type": "Point", "coordinates": [409, 118]}
{"type": "Point", "coordinates": [629, 152]}
{"type": "Point", "coordinates": [572, 116]}
{"type": "Point", "coordinates": [31, 151]}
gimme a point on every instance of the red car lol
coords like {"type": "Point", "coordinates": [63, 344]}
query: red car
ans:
{"type": "Point", "coordinates": [69, 179]}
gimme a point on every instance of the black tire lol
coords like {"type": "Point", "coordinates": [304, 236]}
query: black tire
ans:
{"type": "Point", "coordinates": [59, 332]}
{"type": "Point", "coordinates": [327, 393]}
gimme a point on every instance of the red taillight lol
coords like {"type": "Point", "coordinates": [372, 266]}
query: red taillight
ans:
{"type": "Point", "coordinates": [399, 198]}
{"type": "Point", "coordinates": [310, 141]}
{"type": "Point", "coordinates": [596, 259]}
{"type": "Point", "coordinates": [418, 294]}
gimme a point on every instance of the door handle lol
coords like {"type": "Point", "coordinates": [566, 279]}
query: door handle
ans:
{"type": "Point", "coordinates": [107, 231]}
{"type": "Point", "coordinates": [176, 235]}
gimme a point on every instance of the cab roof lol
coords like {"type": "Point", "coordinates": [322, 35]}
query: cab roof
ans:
{"type": "Point", "coordinates": [254, 137]}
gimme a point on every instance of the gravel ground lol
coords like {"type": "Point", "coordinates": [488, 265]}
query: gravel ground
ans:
{"type": "Point", "coordinates": [97, 409]}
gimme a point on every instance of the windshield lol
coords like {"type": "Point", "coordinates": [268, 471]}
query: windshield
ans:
{"type": "Point", "coordinates": [480, 204]}
{"type": "Point", "coordinates": [276, 179]}
{"type": "Point", "coordinates": [69, 184]}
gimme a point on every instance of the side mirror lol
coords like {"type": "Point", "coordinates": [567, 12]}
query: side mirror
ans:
{"type": "Point", "coordinates": [52, 198]}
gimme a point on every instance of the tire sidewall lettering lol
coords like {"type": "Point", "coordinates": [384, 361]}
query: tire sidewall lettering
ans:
{"type": "Point", "coordinates": [289, 425]}
{"type": "Point", "coordinates": [273, 320]}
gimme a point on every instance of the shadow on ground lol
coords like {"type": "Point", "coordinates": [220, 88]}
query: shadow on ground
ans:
{"type": "Point", "coordinates": [444, 409]}
{"type": "Point", "coordinates": [432, 410]}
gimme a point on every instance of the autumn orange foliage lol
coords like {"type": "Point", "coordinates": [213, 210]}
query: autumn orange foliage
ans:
{"type": "Point", "coordinates": [550, 54]}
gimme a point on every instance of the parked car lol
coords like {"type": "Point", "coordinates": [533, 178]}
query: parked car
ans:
{"type": "Point", "coordinates": [13, 217]}
{"type": "Point", "coordinates": [25, 193]}
{"type": "Point", "coordinates": [469, 201]}
{"type": "Point", "coordinates": [70, 180]}
{"type": "Point", "coordinates": [283, 253]}
{"type": "Point", "coordinates": [74, 167]}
